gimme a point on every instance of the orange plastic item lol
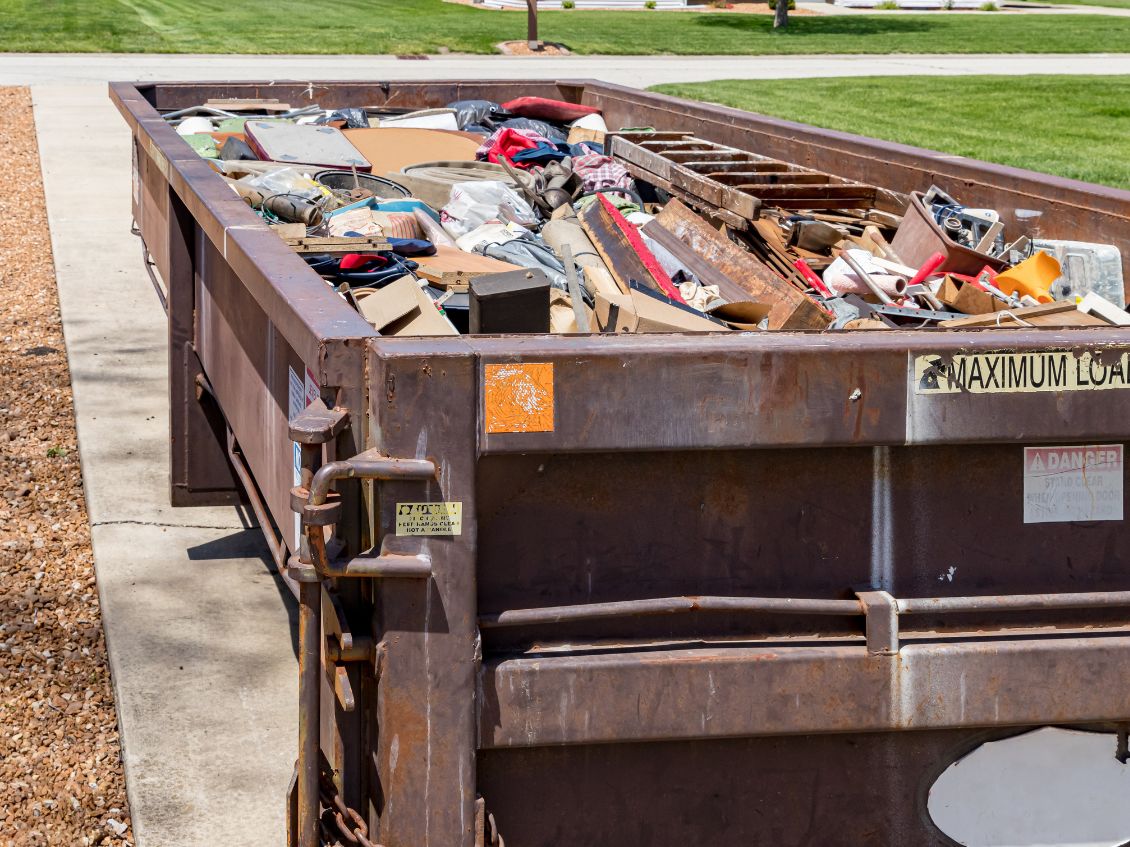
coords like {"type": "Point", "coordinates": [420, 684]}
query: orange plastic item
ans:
{"type": "Point", "coordinates": [1034, 277]}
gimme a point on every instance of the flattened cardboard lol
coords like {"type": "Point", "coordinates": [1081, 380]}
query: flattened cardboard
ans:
{"type": "Point", "coordinates": [639, 312]}
{"type": "Point", "coordinates": [402, 308]}
{"type": "Point", "coordinates": [392, 148]}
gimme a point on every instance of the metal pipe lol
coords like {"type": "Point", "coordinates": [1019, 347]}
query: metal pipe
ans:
{"type": "Point", "coordinates": [309, 708]}
{"type": "Point", "coordinates": [376, 468]}
{"type": "Point", "coordinates": [865, 277]}
{"type": "Point", "coordinates": [1014, 602]}
{"type": "Point", "coordinates": [667, 606]}
{"type": "Point", "coordinates": [386, 565]}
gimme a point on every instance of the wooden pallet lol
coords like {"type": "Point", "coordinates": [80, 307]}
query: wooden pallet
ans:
{"type": "Point", "coordinates": [734, 183]}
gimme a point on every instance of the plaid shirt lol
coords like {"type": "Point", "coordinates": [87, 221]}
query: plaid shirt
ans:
{"type": "Point", "coordinates": [596, 171]}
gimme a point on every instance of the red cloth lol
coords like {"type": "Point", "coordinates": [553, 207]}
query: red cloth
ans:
{"type": "Point", "coordinates": [505, 143]}
{"type": "Point", "coordinates": [545, 109]}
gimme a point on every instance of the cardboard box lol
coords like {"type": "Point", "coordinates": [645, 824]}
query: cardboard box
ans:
{"type": "Point", "coordinates": [402, 308]}
{"type": "Point", "coordinates": [968, 299]}
{"type": "Point", "coordinates": [640, 312]}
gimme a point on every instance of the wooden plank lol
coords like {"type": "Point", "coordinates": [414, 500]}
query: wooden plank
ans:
{"type": "Point", "coordinates": [790, 308]}
{"type": "Point", "coordinates": [759, 165]}
{"type": "Point", "coordinates": [623, 250]}
{"type": "Point", "coordinates": [681, 156]}
{"type": "Point", "coordinates": [1046, 314]}
{"type": "Point", "coordinates": [711, 192]}
{"type": "Point", "coordinates": [339, 244]}
{"type": "Point", "coordinates": [451, 267]}
{"type": "Point", "coordinates": [740, 180]}
{"type": "Point", "coordinates": [727, 217]}
{"type": "Point", "coordinates": [827, 191]}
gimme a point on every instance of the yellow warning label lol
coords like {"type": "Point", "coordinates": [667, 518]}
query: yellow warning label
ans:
{"type": "Point", "coordinates": [1006, 373]}
{"type": "Point", "coordinates": [429, 518]}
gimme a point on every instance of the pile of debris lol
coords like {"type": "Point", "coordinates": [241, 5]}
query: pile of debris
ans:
{"type": "Point", "coordinates": [532, 217]}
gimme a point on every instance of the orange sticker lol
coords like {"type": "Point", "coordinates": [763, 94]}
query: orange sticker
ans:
{"type": "Point", "coordinates": [518, 397]}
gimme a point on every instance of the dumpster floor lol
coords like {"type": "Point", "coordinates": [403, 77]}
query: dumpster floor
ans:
{"type": "Point", "coordinates": [200, 644]}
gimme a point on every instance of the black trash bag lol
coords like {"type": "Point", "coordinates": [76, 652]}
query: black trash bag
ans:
{"type": "Point", "coordinates": [471, 112]}
{"type": "Point", "coordinates": [354, 117]}
{"type": "Point", "coordinates": [540, 127]}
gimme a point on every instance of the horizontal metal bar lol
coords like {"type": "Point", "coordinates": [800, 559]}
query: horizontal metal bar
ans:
{"type": "Point", "coordinates": [619, 696]}
{"type": "Point", "coordinates": [388, 565]}
{"type": "Point", "coordinates": [368, 465]}
{"type": "Point", "coordinates": [1013, 602]}
{"type": "Point", "coordinates": [668, 606]}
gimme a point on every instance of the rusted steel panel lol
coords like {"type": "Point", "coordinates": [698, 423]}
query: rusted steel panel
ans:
{"type": "Point", "coordinates": [609, 695]}
{"type": "Point", "coordinates": [670, 392]}
{"type": "Point", "coordinates": [330, 94]}
{"type": "Point", "coordinates": [797, 791]}
{"type": "Point", "coordinates": [239, 346]}
{"type": "Point", "coordinates": [423, 789]}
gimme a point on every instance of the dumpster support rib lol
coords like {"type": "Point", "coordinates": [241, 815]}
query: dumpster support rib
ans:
{"type": "Point", "coordinates": [309, 568]}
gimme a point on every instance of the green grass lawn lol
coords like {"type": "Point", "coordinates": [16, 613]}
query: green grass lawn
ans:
{"type": "Point", "coordinates": [1076, 127]}
{"type": "Point", "coordinates": [423, 26]}
{"type": "Point", "coordinates": [1116, 4]}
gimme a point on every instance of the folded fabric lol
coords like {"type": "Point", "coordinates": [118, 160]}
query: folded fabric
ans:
{"type": "Point", "coordinates": [411, 247]}
{"type": "Point", "coordinates": [542, 154]}
{"type": "Point", "coordinates": [367, 221]}
{"type": "Point", "coordinates": [547, 109]}
{"type": "Point", "coordinates": [504, 143]}
{"type": "Point", "coordinates": [596, 172]}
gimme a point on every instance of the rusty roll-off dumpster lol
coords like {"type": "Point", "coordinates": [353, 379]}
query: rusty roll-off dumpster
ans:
{"type": "Point", "coordinates": [755, 588]}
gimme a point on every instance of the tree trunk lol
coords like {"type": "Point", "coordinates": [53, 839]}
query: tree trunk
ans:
{"type": "Point", "coordinates": [781, 15]}
{"type": "Point", "coordinates": [532, 25]}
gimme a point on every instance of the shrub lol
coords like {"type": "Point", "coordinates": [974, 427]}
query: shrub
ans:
{"type": "Point", "coordinates": [650, 4]}
{"type": "Point", "coordinates": [887, 5]}
{"type": "Point", "coordinates": [989, 7]}
{"type": "Point", "coordinates": [567, 4]}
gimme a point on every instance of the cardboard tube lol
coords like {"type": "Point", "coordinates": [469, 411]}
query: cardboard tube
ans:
{"type": "Point", "coordinates": [852, 273]}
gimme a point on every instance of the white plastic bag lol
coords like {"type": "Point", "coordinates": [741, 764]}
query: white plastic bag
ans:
{"type": "Point", "coordinates": [473, 204]}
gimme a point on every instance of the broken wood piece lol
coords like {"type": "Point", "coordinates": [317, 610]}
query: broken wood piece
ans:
{"type": "Point", "coordinates": [790, 308]}
{"type": "Point", "coordinates": [623, 250]}
{"type": "Point", "coordinates": [1046, 314]}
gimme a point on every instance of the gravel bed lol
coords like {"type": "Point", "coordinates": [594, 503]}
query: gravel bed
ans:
{"type": "Point", "coordinates": [61, 780]}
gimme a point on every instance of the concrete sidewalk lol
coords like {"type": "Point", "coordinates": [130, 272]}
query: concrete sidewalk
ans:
{"type": "Point", "coordinates": [197, 628]}
{"type": "Point", "coordinates": [641, 71]}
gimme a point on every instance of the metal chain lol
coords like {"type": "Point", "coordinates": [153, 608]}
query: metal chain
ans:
{"type": "Point", "coordinates": [341, 826]}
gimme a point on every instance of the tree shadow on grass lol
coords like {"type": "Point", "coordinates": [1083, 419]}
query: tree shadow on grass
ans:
{"type": "Point", "coordinates": [862, 26]}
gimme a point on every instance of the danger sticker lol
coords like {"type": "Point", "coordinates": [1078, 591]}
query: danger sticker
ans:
{"type": "Point", "coordinates": [429, 518]}
{"type": "Point", "coordinates": [1006, 373]}
{"type": "Point", "coordinates": [1073, 483]}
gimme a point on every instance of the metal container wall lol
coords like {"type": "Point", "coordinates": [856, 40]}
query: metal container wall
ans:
{"type": "Point", "coordinates": [688, 605]}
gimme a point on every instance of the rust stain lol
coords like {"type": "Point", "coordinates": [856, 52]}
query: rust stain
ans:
{"type": "Point", "coordinates": [518, 397]}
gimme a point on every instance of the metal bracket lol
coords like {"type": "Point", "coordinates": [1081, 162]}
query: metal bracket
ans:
{"type": "Point", "coordinates": [881, 615]}
{"type": "Point", "coordinates": [317, 424]}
